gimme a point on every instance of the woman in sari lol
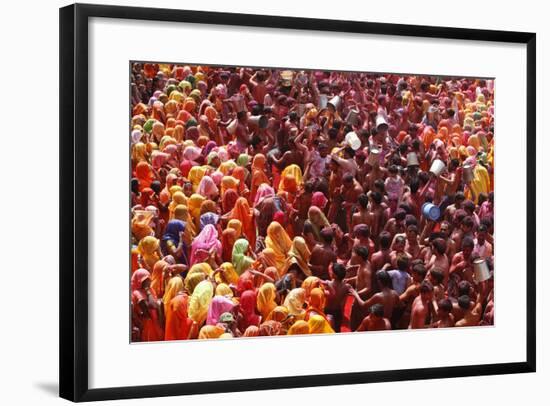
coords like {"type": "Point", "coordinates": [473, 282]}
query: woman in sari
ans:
{"type": "Point", "coordinates": [159, 276]}
{"type": "Point", "coordinates": [319, 325]}
{"type": "Point", "coordinates": [174, 285]}
{"type": "Point", "coordinates": [210, 332]}
{"type": "Point", "coordinates": [226, 274]}
{"type": "Point", "coordinates": [278, 240]}
{"type": "Point", "coordinates": [145, 307]}
{"type": "Point", "coordinates": [218, 306]}
{"type": "Point", "coordinates": [223, 289]}
{"type": "Point", "coordinates": [195, 176]}
{"type": "Point", "coordinates": [310, 283]}
{"type": "Point", "coordinates": [178, 324]}
{"type": "Point", "coordinates": [288, 188]}
{"type": "Point", "coordinates": [165, 194]}
{"type": "Point", "coordinates": [299, 327]}
{"type": "Point", "coordinates": [173, 243]}
{"type": "Point", "coordinates": [229, 182]}
{"type": "Point", "coordinates": [141, 224]}
{"type": "Point", "coordinates": [245, 215]}
{"type": "Point", "coordinates": [295, 301]}
{"type": "Point", "coordinates": [182, 213]}
{"type": "Point", "coordinates": [144, 174]}
{"type": "Point", "coordinates": [192, 280]}
{"type": "Point", "coordinates": [258, 176]}
{"type": "Point", "coordinates": [293, 171]}
{"type": "Point", "coordinates": [252, 331]}
{"type": "Point", "coordinates": [206, 245]}
{"type": "Point", "coordinates": [264, 190]}
{"type": "Point", "coordinates": [208, 206]}
{"type": "Point", "coordinates": [231, 234]}
{"type": "Point", "coordinates": [208, 218]}
{"type": "Point", "coordinates": [316, 304]}
{"type": "Point", "coordinates": [240, 174]}
{"type": "Point", "coordinates": [194, 205]}
{"type": "Point", "coordinates": [240, 260]}
{"type": "Point", "coordinates": [247, 311]}
{"type": "Point", "coordinates": [265, 302]}
{"type": "Point", "coordinates": [229, 199]}
{"type": "Point", "coordinates": [270, 328]}
{"type": "Point", "coordinates": [200, 302]}
{"type": "Point", "coordinates": [149, 250]}
{"type": "Point", "coordinates": [299, 255]}
{"type": "Point", "coordinates": [208, 188]}
{"type": "Point", "coordinates": [177, 199]}
{"type": "Point", "coordinates": [317, 220]}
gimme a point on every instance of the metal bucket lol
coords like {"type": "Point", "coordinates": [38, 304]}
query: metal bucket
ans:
{"type": "Point", "coordinates": [431, 211]}
{"type": "Point", "coordinates": [437, 168]}
{"type": "Point", "coordinates": [353, 117]}
{"type": "Point", "coordinates": [467, 173]}
{"type": "Point", "coordinates": [258, 121]}
{"type": "Point", "coordinates": [481, 270]}
{"type": "Point", "coordinates": [412, 159]}
{"type": "Point", "coordinates": [374, 157]}
{"type": "Point", "coordinates": [323, 101]}
{"type": "Point", "coordinates": [353, 140]}
{"type": "Point", "coordinates": [232, 127]}
{"type": "Point", "coordinates": [334, 102]}
{"type": "Point", "coordinates": [381, 122]}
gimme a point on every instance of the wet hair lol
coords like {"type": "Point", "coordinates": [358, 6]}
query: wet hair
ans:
{"type": "Point", "coordinates": [350, 151]}
{"type": "Point", "coordinates": [377, 197]}
{"type": "Point", "coordinates": [362, 230]}
{"type": "Point", "coordinates": [437, 275]}
{"type": "Point", "coordinates": [347, 178]}
{"type": "Point", "coordinates": [393, 169]}
{"type": "Point", "coordinates": [440, 245]}
{"type": "Point", "coordinates": [363, 200]}
{"type": "Point", "coordinates": [400, 214]}
{"type": "Point", "coordinates": [464, 288]}
{"type": "Point", "coordinates": [402, 262]}
{"type": "Point", "coordinates": [400, 239]}
{"type": "Point", "coordinates": [377, 310]}
{"type": "Point", "coordinates": [467, 242]}
{"type": "Point", "coordinates": [308, 228]}
{"type": "Point", "coordinates": [459, 197]}
{"type": "Point", "coordinates": [426, 287]}
{"type": "Point", "coordinates": [414, 185]}
{"type": "Point", "coordinates": [362, 251]}
{"type": "Point", "coordinates": [242, 114]}
{"type": "Point", "coordinates": [255, 140]}
{"type": "Point", "coordinates": [469, 206]}
{"type": "Point", "coordinates": [454, 163]}
{"type": "Point", "coordinates": [384, 278]}
{"type": "Point", "coordinates": [385, 239]}
{"type": "Point", "coordinates": [308, 186]}
{"type": "Point", "coordinates": [420, 270]}
{"type": "Point", "coordinates": [410, 220]}
{"type": "Point", "coordinates": [339, 270]}
{"type": "Point", "coordinates": [327, 235]}
{"type": "Point", "coordinates": [379, 184]}
{"type": "Point", "coordinates": [446, 305]}
{"type": "Point", "coordinates": [155, 185]}
{"type": "Point", "coordinates": [332, 133]}
{"type": "Point", "coordinates": [464, 302]}
{"type": "Point", "coordinates": [467, 221]}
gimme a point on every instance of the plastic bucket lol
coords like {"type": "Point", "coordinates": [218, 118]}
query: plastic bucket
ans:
{"type": "Point", "coordinates": [381, 122]}
{"type": "Point", "coordinates": [258, 121]}
{"type": "Point", "coordinates": [353, 117]}
{"type": "Point", "coordinates": [374, 157]}
{"type": "Point", "coordinates": [412, 159]}
{"type": "Point", "coordinates": [437, 168]}
{"type": "Point", "coordinates": [467, 173]}
{"type": "Point", "coordinates": [353, 140]}
{"type": "Point", "coordinates": [334, 102]}
{"type": "Point", "coordinates": [323, 101]}
{"type": "Point", "coordinates": [431, 211]}
{"type": "Point", "coordinates": [232, 127]}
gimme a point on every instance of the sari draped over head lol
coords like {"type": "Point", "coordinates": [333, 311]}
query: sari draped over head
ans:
{"type": "Point", "coordinates": [173, 230]}
{"type": "Point", "coordinates": [182, 213]}
{"type": "Point", "coordinates": [200, 302]}
{"type": "Point", "coordinates": [290, 171]}
{"type": "Point", "coordinates": [318, 221]}
{"type": "Point", "coordinates": [242, 160]}
{"type": "Point", "coordinates": [165, 194]}
{"type": "Point", "coordinates": [195, 176]}
{"type": "Point", "coordinates": [310, 283]}
{"type": "Point", "coordinates": [175, 285]}
{"type": "Point", "coordinates": [218, 306]}
{"type": "Point", "coordinates": [278, 240]}
{"type": "Point", "coordinates": [280, 313]}
{"type": "Point", "coordinates": [151, 329]}
{"type": "Point", "coordinates": [144, 174]}
{"type": "Point", "coordinates": [268, 259]}
{"type": "Point", "coordinates": [194, 205]}
{"type": "Point", "coordinates": [258, 176]}
{"type": "Point", "coordinates": [229, 182]}
{"type": "Point", "coordinates": [207, 188]}
{"type": "Point", "coordinates": [240, 174]}
{"type": "Point", "coordinates": [240, 260]}
{"type": "Point", "coordinates": [191, 153]}
{"type": "Point", "coordinates": [222, 289]}
{"type": "Point", "coordinates": [229, 236]}
{"type": "Point", "coordinates": [208, 206]}
{"type": "Point", "coordinates": [316, 303]}
{"type": "Point", "coordinates": [158, 276]}
{"type": "Point", "coordinates": [227, 166]}
{"type": "Point", "coordinates": [210, 332]}
{"type": "Point", "coordinates": [245, 215]}
{"type": "Point", "coordinates": [227, 274]}
{"type": "Point", "coordinates": [299, 327]}
{"type": "Point", "coordinates": [247, 306]}
{"type": "Point", "coordinates": [208, 218]}
{"type": "Point", "coordinates": [204, 242]}
{"type": "Point", "coordinates": [294, 302]}
{"type": "Point", "coordinates": [319, 325]}
{"type": "Point", "coordinates": [299, 254]}
{"type": "Point", "coordinates": [148, 249]}
{"type": "Point", "coordinates": [139, 153]}
{"type": "Point", "coordinates": [263, 191]}
{"type": "Point", "coordinates": [141, 224]}
{"type": "Point", "coordinates": [270, 328]}
{"type": "Point", "coordinates": [319, 200]}
{"type": "Point", "coordinates": [177, 199]}
{"type": "Point", "coordinates": [192, 280]}
{"type": "Point", "coordinates": [229, 199]}
{"type": "Point", "coordinates": [178, 324]}
{"type": "Point", "coordinates": [138, 277]}
{"type": "Point", "coordinates": [265, 301]}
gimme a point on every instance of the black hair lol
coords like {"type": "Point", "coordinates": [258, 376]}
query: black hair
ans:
{"type": "Point", "coordinates": [420, 270]}
{"type": "Point", "coordinates": [440, 245]}
{"type": "Point", "coordinates": [362, 251]}
{"type": "Point", "coordinates": [134, 185]}
{"type": "Point", "coordinates": [156, 187]}
{"type": "Point", "coordinates": [446, 305]}
{"type": "Point", "coordinates": [467, 242]}
{"type": "Point", "coordinates": [327, 235]}
{"type": "Point", "coordinates": [384, 278]}
{"type": "Point", "coordinates": [339, 270]}
{"type": "Point", "coordinates": [464, 288]}
{"type": "Point", "coordinates": [426, 287]}
{"type": "Point", "coordinates": [363, 200]}
{"type": "Point", "coordinates": [402, 262]}
{"type": "Point", "coordinates": [377, 310]}
{"type": "Point", "coordinates": [377, 197]}
{"type": "Point", "coordinates": [437, 275]}
{"type": "Point", "coordinates": [464, 302]}
{"type": "Point", "coordinates": [385, 240]}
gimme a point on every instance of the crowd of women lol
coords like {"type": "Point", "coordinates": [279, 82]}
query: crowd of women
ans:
{"type": "Point", "coordinates": [278, 202]}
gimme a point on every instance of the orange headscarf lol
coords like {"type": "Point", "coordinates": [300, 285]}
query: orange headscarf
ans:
{"type": "Point", "coordinates": [278, 240]}
{"type": "Point", "coordinates": [144, 175]}
{"type": "Point", "coordinates": [265, 301]}
{"type": "Point", "coordinates": [245, 215]}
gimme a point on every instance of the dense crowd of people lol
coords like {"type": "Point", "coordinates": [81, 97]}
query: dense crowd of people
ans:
{"type": "Point", "coordinates": [277, 202]}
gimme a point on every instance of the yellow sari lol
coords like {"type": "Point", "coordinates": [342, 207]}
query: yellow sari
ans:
{"type": "Point", "coordinates": [278, 240]}
{"type": "Point", "coordinates": [319, 325]}
{"type": "Point", "coordinates": [200, 301]}
{"type": "Point", "coordinates": [265, 302]}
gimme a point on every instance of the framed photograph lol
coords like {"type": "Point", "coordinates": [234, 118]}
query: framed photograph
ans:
{"type": "Point", "coordinates": [331, 202]}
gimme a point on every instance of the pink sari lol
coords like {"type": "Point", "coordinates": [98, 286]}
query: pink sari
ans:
{"type": "Point", "coordinates": [218, 306]}
{"type": "Point", "coordinates": [203, 243]}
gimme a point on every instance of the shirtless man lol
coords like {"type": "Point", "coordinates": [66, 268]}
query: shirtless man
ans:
{"type": "Point", "coordinates": [375, 321]}
{"type": "Point", "coordinates": [387, 297]}
{"type": "Point", "coordinates": [242, 135]}
{"type": "Point", "coordinates": [472, 313]}
{"type": "Point", "coordinates": [439, 259]}
{"type": "Point", "coordinates": [350, 190]}
{"type": "Point", "coordinates": [323, 255]}
{"type": "Point", "coordinates": [363, 283]}
{"type": "Point", "coordinates": [412, 247]}
{"type": "Point", "coordinates": [444, 313]}
{"type": "Point", "coordinates": [382, 256]}
{"type": "Point", "coordinates": [376, 213]}
{"type": "Point", "coordinates": [361, 233]}
{"type": "Point", "coordinates": [462, 261]}
{"type": "Point", "coordinates": [403, 315]}
{"type": "Point", "coordinates": [338, 291]}
{"type": "Point", "coordinates": [445, 231]}
{"type": "Point", "coordinates": [451, 209]}
{"type": "Point", "coordinates": [398, 249]}
{"type": "Point", "coordinates": [361, 216]}
{"type": "Point", "coordinates": [396, 224]}
{"type": "Point", "coordinates": [422, 306]}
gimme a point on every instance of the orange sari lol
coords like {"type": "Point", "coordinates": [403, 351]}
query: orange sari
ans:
{"type": "Point", "coordinates": [245, 215]}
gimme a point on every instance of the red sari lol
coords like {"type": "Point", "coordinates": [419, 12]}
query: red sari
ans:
{"type": "Point", "coordinates": [178, 323]}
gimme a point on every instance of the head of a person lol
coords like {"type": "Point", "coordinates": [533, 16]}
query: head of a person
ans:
{"type": "Point", "coordinates": [360, 253]}
{"type": "Point", "coordinates": [327, 235]}
{"type": "Point", "coordinates": [134, 185]}
{"type": "Point", "coordinates": [385, 240]}
{"type": "Point", "coordinates": [323, 149]}
{"type": "Point", "coordinates": [436, 276]}
{"type": "Point", "coordinates": [467, 246]}
{"type": "Point", "coordinates": [467, 224]}
{"type": "Point", "coordinates": [444, 308]}
{"type": "Point", "coordinates": [445, 228]}
{"type": "Point", "coordinates": [338, 271]}
{"type": "Point", "coordinates": [361, 231]}
{"type": "Point", "coordinates": [412, 234]}
{"type": "Point", "coordinates": [402, 262]}
{"type": "Point", "coordinates": [347, 181]}
{"type": "Point", "coordinates": [376, 198]}
{"type": "Point", "coordinates": [426, 291]}
{"type": "Point", "coordinates": [464, 288]}
{"type": "Point", "coordinates": [419, 271]}
{"type": "Point", "coordinates": [469, 207]}
{"type": "Point", "coordinates": [377, 311]}
{"type": "Point", "coordinates": [384, 279]}
{"type": "Point", "coordinates": [242, 117]}
{"type": "Point", "coordinates": [363, 201]}
{"type": "Point", "coordinates": [464, 302]}
{"type": "Point", "coordinates": [481, 234]}
{"type": "Point", "coordinates": [393, 171]}
{"type": "Point", "coordinates": [439, 246]}
{"type": "Point", "coordinates": [400, 243]}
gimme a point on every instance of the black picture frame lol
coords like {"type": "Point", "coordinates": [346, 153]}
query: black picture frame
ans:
{"type": "Point", "coordinates": [73, 282]}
